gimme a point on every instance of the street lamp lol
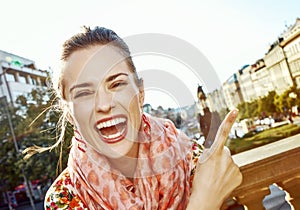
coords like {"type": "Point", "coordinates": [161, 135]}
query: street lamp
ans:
{"type": "Point", "coordinates": [3, 102]}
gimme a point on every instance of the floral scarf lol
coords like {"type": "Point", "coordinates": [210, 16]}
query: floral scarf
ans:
{"type": "Point", "coordinates": [161, 179]}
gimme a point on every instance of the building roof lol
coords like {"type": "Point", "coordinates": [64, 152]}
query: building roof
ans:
{"type": "Point", "coordinates": [10, 57]}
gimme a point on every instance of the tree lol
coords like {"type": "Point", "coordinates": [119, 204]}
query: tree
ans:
{"type": "Point", "coordinates": [34, 123]}
{"type": "Point", "coordinates": [223, 112]}
{"type": "Point", "coordinates": [271, 105]}
{"type": "Point", "coordinates": [247, 109]}
{"type": "Point", "coordinates": [8, 154]}
{"type": "Point", "coordinates": [287, 100]}
{"type": "Point", "coordinates": [266, 105]}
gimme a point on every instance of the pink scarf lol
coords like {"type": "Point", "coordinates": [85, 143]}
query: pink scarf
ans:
{"type": "Point", "coordinates": [161, 180]}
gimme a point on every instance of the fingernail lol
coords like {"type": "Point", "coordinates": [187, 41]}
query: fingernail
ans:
{"type": "Point", "coordinates": [235, 111]}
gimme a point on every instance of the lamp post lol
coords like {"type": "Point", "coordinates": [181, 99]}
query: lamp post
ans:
{"type": "Point", "coordinates": [4, 104]}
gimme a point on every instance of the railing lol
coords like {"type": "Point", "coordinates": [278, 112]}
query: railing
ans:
{"type": "Point", "coordinates": [279, 163]}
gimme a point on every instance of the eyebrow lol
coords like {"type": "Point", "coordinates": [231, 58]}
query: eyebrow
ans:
{"type": "Point", "coordinates": [110, 78]}
{"type": "Point", "coordinates": [79, 86]}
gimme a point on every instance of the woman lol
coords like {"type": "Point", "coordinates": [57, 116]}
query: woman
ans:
{"type": "Point", "coordinates": [122, 158]}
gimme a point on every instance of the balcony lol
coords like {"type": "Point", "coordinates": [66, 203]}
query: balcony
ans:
{"type": "Point", "coordinates": [279, 163]}
{"type": "Point", "coordinates": [36, 72]}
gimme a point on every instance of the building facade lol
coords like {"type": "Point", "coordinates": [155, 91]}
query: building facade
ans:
{"type": "Point", "coordinates": [216, 100]}
{"type": "Point", "coordinates": [19, 76]}
{"type": "Point", "coordinates": [278, 68]}
{"type": "Point", "coordinates": [291, 48]}
{"type": "Point", "coordinates": [232, 92]}
{"type": "Point", "coordinates": [246, 84]}
{"type": "Point", "coordinates": [261, 79]}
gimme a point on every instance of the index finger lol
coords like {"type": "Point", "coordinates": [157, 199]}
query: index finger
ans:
{"type": "Point", "coordinates": [223, 131]}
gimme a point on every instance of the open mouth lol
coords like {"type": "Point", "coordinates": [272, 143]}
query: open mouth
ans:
{"type": "Point", "coordinates": [112, 129]}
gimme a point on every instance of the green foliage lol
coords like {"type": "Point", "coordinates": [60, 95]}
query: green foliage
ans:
{"type": "Point", "coordinates": [266, 105]}
{"type": "Point", "coordinates": [34, 123]}
{"type": "Point", "coordinates": [223, 113]}
{"type": "Point", "coordinates": [262, 138]}
{"type": "Point", "coordinates": [288, 99]}
{"type": "Point", "coordinates": [247, 109]}
{"type": "Point", "coordinates": [270, 104]}
{"type": "Point", "coordinates": [8, 158]}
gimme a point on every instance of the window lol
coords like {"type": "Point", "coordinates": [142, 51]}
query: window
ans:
{"type": "Point", "coordinates": [22, 79]}
{"type": "Point", "coordinates": [10, 77]}
{"type": "Point", "coordinates": [296, 49]}
{"type": "Point", "coordinates": [33, 80]}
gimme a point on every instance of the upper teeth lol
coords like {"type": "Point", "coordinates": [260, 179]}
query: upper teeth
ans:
{"type": "Point", "coordinates": [109, 123]}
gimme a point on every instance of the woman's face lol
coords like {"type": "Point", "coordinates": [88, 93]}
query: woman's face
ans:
{"type": "Point", "coordinates": [104, 99]}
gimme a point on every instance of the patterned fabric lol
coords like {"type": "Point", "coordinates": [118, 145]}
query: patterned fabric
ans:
{"type": "Point", "coordinates": [161, 180]}
{"type": "Point", "coordinates": [61, 196]}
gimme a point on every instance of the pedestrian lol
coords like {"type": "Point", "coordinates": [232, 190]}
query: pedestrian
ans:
{"type": "Point", "coordinates": [122, 158]}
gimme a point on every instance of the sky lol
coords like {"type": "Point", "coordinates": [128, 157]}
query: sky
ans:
{"type": "Point", "coordinates": [229, 33]}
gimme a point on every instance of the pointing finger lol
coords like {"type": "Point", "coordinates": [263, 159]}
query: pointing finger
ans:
{"type": "Point", "coordinates": [223, 131]}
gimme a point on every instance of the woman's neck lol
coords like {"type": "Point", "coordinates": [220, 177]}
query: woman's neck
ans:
{"type": "Point", "coordinates": [127, 164]}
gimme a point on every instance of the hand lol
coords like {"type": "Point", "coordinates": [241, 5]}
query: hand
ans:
{"type": "Point", "coordinates": [216, 174]}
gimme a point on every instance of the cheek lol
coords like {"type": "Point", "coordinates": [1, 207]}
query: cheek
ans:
{"type": "Point", "coordinates": [127, 98]}
{"type": "Point", "coordinates": [81, 112]}
{"type": "Point", "coordinates": [134, 105]}
{"type": "Point", "coordinates": [129, 101]}
{"type": "Point", "coordinates": [135, 112]}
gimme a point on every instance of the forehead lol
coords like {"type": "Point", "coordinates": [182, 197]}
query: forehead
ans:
{"type": "Point", "coordinates": [95, 63]}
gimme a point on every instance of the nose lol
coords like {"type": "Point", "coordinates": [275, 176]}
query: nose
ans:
{"type": "Point", "coordinates": [104, 101]}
